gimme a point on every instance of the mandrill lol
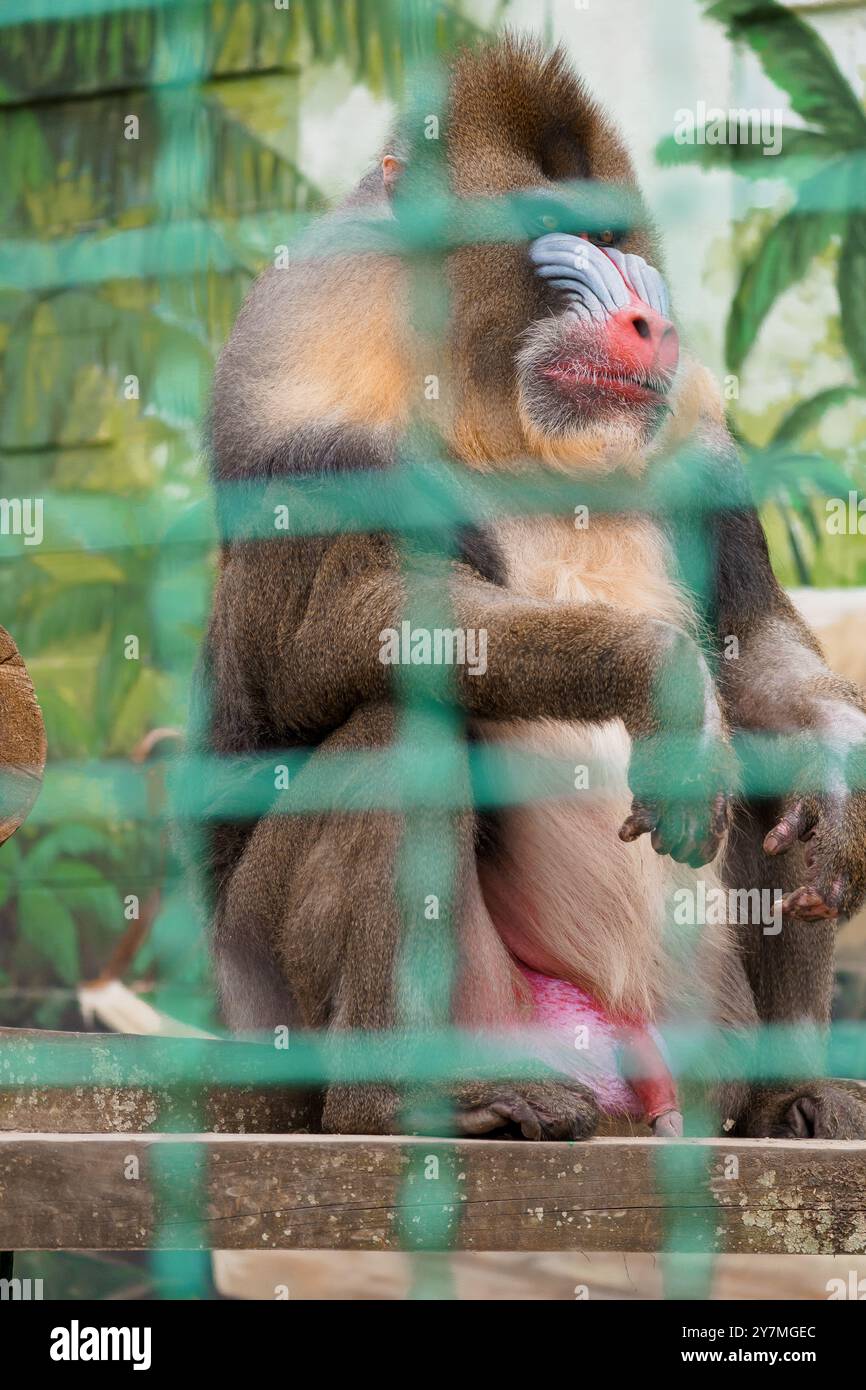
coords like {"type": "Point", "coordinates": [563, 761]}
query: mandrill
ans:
{"type": "Point", "coordinates": [561, 356]}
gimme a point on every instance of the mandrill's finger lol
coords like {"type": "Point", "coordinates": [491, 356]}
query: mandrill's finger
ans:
{"type": "Point", "coordinates": [794, 825]}
{"type": "Point", "coordinates": [719, 820]}
{"type": "Point", "coordinates": [721, 815]}
{"type": "Point", "coordinates": [642, 821]}
{"type": "Point", "coordinates": [809, 905]}
{"type": "Point", "coordinates": [702, 854]}
{"type": "Point", "coordinates": [519, 1112]}
{"type": "Point", "coordinates": [661, 841]}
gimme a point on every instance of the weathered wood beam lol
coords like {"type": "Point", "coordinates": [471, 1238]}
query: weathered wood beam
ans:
{"type": "Point", "coordinates": [136, 1103]}
{"type": "Point", "coordinates": [134, 1191]}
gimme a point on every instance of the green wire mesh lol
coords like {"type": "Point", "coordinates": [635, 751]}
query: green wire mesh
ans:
{"type": "Point", "coordinates": [429, 771]}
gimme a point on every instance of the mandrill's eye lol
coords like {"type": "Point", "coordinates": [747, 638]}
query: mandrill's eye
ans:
{"type": "Point", "coordinates": [540, 214]}
{"type": "Point", "coordinates": [606, 238]}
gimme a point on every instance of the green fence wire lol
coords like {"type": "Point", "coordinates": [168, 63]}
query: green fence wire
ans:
{"type": "Point", "coordinates": [429, 772]}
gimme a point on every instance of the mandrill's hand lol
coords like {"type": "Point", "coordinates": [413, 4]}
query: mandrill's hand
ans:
{"type": "Point", "coordinates": [682, 791]}
{"type": "Point", "coordinates": [683, 771]}
{"type": "Point", "coordinates": [832, 827]}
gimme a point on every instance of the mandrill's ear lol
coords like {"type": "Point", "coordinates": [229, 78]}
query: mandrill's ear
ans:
{"type": "Point", "coordinates": [392, 168]}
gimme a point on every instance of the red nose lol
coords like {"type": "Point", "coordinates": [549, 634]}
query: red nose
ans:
{"type": "Point", "coordinates": [642, 341]}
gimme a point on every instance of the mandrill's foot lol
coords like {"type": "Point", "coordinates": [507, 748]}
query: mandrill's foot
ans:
{"type": "Point", "coordinates": [818, 1110]}
{"type": "Point", "coordinates": [533, 1110]}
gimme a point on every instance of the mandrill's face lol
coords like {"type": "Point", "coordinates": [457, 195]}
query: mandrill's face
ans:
{"type": "Point", "coordinates": [563, 345]}
{"type": "Point", "coordinates": [601, 363]}
{"type": "Point", "coordinates": [568, 351]}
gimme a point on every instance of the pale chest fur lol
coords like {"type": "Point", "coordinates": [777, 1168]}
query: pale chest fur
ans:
{"type": "Point", "coordinates": [614, 559]}
{"type": "Point", "coordinates": [568, 897]}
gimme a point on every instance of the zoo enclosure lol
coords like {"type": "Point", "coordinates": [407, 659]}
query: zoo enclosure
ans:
{"type": "Point", "coordinates": [168, 261]}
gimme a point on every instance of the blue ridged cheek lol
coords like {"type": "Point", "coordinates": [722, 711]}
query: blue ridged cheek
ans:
{"type": "Point", "coordinates": [592, 278]}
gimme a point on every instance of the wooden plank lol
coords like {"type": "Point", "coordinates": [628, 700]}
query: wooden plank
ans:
{"type": "Point", "coordinates": [138, 1104]}
{"type": "Point", "coordinates": [105, 1107]}
{"type": "Point", "coordinates": [336, 1192]}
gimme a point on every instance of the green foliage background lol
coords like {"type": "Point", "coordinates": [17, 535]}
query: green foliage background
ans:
{"type": "Point", "coordinates": [84, 306]}
{"type": "Point", "coordinates": [822, 169]}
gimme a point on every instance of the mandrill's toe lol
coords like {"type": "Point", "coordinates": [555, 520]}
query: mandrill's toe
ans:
{"type": "Point", "coordinates": [542, 1111]}
{"type": "Point", "coordinates": [822, 1110]}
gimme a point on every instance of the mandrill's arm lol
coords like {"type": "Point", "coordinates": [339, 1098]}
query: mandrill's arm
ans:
{"type": "Point", "coordinates": [809, 845]}
{"type": "Point", "coordinates": [775, 681]}
{"type": "Point", "coordinates": [320, 657]}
